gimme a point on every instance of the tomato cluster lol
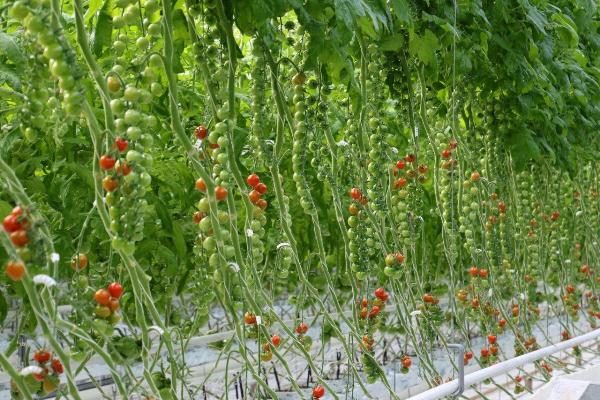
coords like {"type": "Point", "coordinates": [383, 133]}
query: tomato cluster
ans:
{"type": "Point", "coordinates": [48, 379]}
{"type": "Point", "coordinates": [107, 302]}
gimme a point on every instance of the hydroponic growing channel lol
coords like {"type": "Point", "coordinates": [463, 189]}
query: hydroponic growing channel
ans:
{"type": "Point", "coordinates": [292, 199]}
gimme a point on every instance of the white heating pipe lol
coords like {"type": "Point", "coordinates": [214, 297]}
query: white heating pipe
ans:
{"type": "Point", "coordinates": [449, 388]}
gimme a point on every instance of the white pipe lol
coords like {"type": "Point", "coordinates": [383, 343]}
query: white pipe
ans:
{"type": "Point", "coordinates": [448, 388]}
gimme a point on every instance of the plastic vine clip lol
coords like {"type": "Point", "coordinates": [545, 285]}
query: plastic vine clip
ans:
{"type": "Point", "coordinates": [459, 350]}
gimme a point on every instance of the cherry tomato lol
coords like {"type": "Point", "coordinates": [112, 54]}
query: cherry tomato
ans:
{"type": "Point", "coordinates": [15, 270]}
{"type": "Point", "coordinates": [57, 366]}
{"type": "Point", "coordinates": [115, 289]}
{"type": "Point", "coordinates": [201, 132]}
{"type": "Point", "coordinates": [102, 297]}
{"type": "Point", "coordinates": [11, 223]}
{"type": "Point", "coordinates": [262, 204]}
{"type": "Point", "coordinates": [41, 356]}
{"type": "Point", "coordinates": [428, 298]}
{"type": "Point", "coordinates": [374, 311]}
{"type": "Point", "coordinates": [302, 328]}
{"type": "Point", "coordinates": [475, 176]}
{"type": "Point", "coordinates": [17, 211]}
{"type": "Point", "coordinates": [107, 162]}
{"type": "Point", "coordinates": [555, 215]}
{"type": "Point", "coordinates": [406, 362]}
{"type": "Point", "coordinates": [123, 168]}
{"type": "Point", "coordinates": [252, 180]}
{"type": "Point", "coordinates": [355, 193]}
{"type": "Point", "coordinates": [79, 262]}
{"type": "Point", "coordinates": [379, 292]}
{"type": "Point", "coordinates": [473, 271]}
{"type": "Point", "coordinates": [113, 304]}
{"type": "Point", "coordinates": [400, 164]}
{"type": "Point", "coordinates": [502, 323]}
{"type": "Point", "coordinates": [485, 352]}
{"type": "Point", "coordinates": [275, 340]}
{"type": "Point", "coordinates": [400, 183]}
{"type": "Point", "coordinates": [249, 318]}
{"type": "Point", "coordinates": [446, 153]}
{"type": "Point", "coordinates": [102, 311]}
{"type": "Point", "coordinates": [254, 196]}
{"type": "Point", "coordinates": [492, 339]}
{"type": "Point", "coordinates": [570, 288]}
{"type": "Point", "coordinates": [121, 144]}
{"type": "Point", "coordinates": [483, 273]}
{"type": "Point", "coordinates": [261, 188]}
{"type": "Point", "coordinates": [318, 392]}
{"type": "Point", "coordinates": [19, 238]}
{"type": "Point", "coordinates": [109, 183]}
{"type": "Point", "coordinates": [201, 185]}
{"type": "Point", "coordinates": [399, 258]}
{"type": "Point", "coordinates": [197, 217]}
{"type": "Point", "coordinates": [220, 193]}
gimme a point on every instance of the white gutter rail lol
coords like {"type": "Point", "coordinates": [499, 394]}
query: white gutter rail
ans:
{"type": "Point", "coordinates": [452, 388]}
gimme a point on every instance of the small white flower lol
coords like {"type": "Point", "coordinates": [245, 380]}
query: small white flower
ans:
{"type": "Point", "coordinates": [32, 369]}
{"type": "Point", "coordinates": [55, 257]}
{"type": "Point", "coordinates": [579, 213]}
{"type": "Point", "coordinates": [342, 143]}
{"type": "Point", "coordinates": [394, 150]}
{"type": "Point", "coordinates": [249, 233]}
{"type": "Point", "coordinates": [45, 280]}
{"type": "Point", "coordinates": [198, 144]}
{"type": "Point", "coordinates": [490, 292]}
{"type": "Point", "coordinates": [258, 320]}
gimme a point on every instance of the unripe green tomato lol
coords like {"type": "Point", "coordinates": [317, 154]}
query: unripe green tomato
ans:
{"type": "Point", "coordinates": [154, 30]}
{"type": "Point", "coordinates": [389, 271]}
{"type": "Point", "coordinates": [361, 276]}
{"type": "Point", "coordinates": [119, 46]}
{"type": "Point", "coordinates": [142, 43]}
{"type": "Point", "coordinates": [131, 94]}
{"type": "Point", "coordinates": [156, 89]}
{"type": "Point", "coordinates": [102, 311]}
{"type": "Point", "coordinates": [132, 117]}
{"type": "Point", "coordinates": [204, 205]}
{"type": "Point", "coordinates": [205, 225]}
{"type": "Point", "coordinates": [147, 140]}
{"type": "Point", "coordinates": [229, 251]}
{"type": "Point", "coordinates": [134, 156]}
{"type": "Point", "coordinates": [209, 244]}
{"type": "Point", "coordinates": [117, 106]}
{"type": "Point", "coordinates": [145, 179]}
{"type": "Point", "coordinates": [133, 132]}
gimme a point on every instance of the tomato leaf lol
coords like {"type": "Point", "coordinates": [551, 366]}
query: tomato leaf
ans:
{"type": "Point", "coordinates": [424, 47]}
{"type": "Point", "coordinates": [102, 35]}
{"type": "Point", "coordinates": [10, 49]}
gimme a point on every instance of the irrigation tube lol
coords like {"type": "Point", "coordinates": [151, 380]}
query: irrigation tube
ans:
{"type": "Point", "coordinates": [450, 388]}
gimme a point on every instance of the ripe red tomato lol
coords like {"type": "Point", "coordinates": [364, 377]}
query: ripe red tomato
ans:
{"type": "Point", "coordinates": [410, 158]}
{"type": "Point", "coordinates": [446, 153]}
{"type": "Point", "coordinates": [492, 339]}
{"type": "Point", "coordinates": [41, 356]}
{"type": "Point", "coordinates": [475, 302]}
{"type": "Point", "coordinates": [113, 304]}
{"type": "Point", "coordinates": [275, 340]}
{"type": "Point", "coordinates": [501, 207]}
{"type": "Point", "coordinates": [15, 270]}
{"type": "Point", "coordinates": [406, 362]}
{"type": "Point", "coordinates": [302, 328]}
{"type": "Point", "coordinates": [102, 297]}
{"type": "Point", "coordinates": [473, 271]}
{"type": "Point", "coordinates": [485, 352]}
{"type": "Point", "coordinates": [428, 298]}
{"type": "Point", "coordinates": [254, 196]}
{"type": "Point", "coordinates": [201, 185]}
{"type": "Point", "coordinates": [11, 223]}
{"type": "Point", "coordinates": [400, 164]}
{"type": "Point", "coordinates": [374, 311]}
{"type": "Point", "coordinates": [107, 162]}
{"type": "Point", "coordinates": [318, 392]}
{"type": "Point", "coordinates": [399, 257]}
{"type": "Point", "coordinates": [115, 289]}
{"type": "Point", "coordinates": [249, 318]}
{"type": "Point", "coordinates": [57, 366]}
{"type": "Point", "coordinates": [379, 292]}
{"type": "Point", "coordinates": [453, 144]}
{"type": "Point", "coordinates": [469, 355]}
{"type": "Point", "coordinates": [41, 376]}
{"type": "Point", "coordinates": [364, 311]}
{"type": "Point", "coordinates": [570, 288]}
{"type": "Point", "coordinates": [220, 193]}
{"type": "Point", "coordinates": [121, 144]}
{"type": "Point", "coordinates": [252, 180]}
{"type": "Point", "coordinates": [423, 169]}
{"type": "Point", "coordinates": [201, 132]}
{"type": "Point", "coordinates": [483, 273]}
{"type": "Point", "coordinates": [19, 238]}
{"type": "Point", "coordinates": [555, 215]}
{"type": "Point", "coordinates": [502, 323]}
{"type": "Point", "coordinates": [355, 193]}
{"type": "Point", "coordinates": [261, 188]}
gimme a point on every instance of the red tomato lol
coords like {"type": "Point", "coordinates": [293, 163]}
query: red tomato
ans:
{"type": "Point", "coordinates": [473, 271]}
{"type": "Point", "coordinates": [355, 193]}
{"type": "Point", "coordinates": [261, 188]}
{"type": "Point", "coordinates": [406, 362]}
{"type": "Point", "coordinates": [502, 323]}
{"type": "Point", "coordinates": [485, 352]}
{"type": "Point", "coordinates": [41, 356]}
{"type": "Point", "coordinates": [501, 207]}
{"type": "Point", "coordinates": [318, 392]}
{"type": "Point", "coordinates": [197, 217]}
{"type": "Point", "coordinates": [115, 289]}
{"type": "Point", "coordinates": [475, 176]}
{"type": "Point", "coordinates": [201, 132]}
{"type": "Point", "coordinates": [374, 311]}
{"type": "Point", "coordinates": [57, 366]}
{"type": "Point", "coordinates": [570, 288]}
{"type": "Point", "coordinates": [379, 292]}
{"type": "Point", "coordinates": [15, 270]}
{"type": "Point", "coordinates": [399, 258]}
{"type": "Point", "coordinates": [275, 340]}
{"type": "Point", "coordinates": [254, 196]}
{"type": "Point", "coordinates": [483, 273]}
{"type": "Point", "coordinates": [555, 215]}
{"type": "Point", "coordinates": [400, 183]}
{"type": "Point", "coordinates": [113, 304]}
{"type": "Point", "coordinates": [109, 184]}
{"type": "Point", "coordinates": [446, 153]}
{"type": "Point", "coordinates": [11, 223]}
{"type": "Point", "coordinates": [123, 168]}
{"type": "Point", "coordinates": [249, 318]}
{"type": "Point", "coordinates": [107, 162]}
{"type": "Point", "coordinates": [492, 339]}
{"type": "Point", "coordinates": [400, 164]}
{"type": "Point", "coordinates": [252, 180]}
{"type": "Point", "coordinates": [410, 158]}
{"type": "Point", "coordinates": [220, 193]}
{"type": "Point", "coordinates": [19, 238]}
{"type": "Point", "coordinates": [428, 298]}
{"type": "Point", "coordinates": [17, 211]}
{"type": "Point", "coordinates": [302, 328]}
{"type": "Point", "coordinates": [121, 144]}
{"type": "Point", "coordinates": [102, 297]}
{"type": "Point", "coordinates": [201, 185]}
